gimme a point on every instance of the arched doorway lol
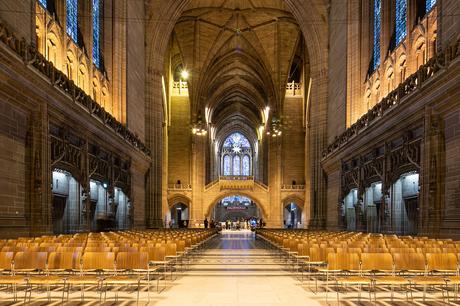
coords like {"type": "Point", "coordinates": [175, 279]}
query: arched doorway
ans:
{"type": "Point", "coordinates": [292, 216]}
{"type": "Point", "coordinates": [236, 208]}
{"type": "Point", "coordinates": [179, 216]}
{"type": "Point", "coordinates": [405, 204]}
{"type": "Point", "coordinates": [67, 204]}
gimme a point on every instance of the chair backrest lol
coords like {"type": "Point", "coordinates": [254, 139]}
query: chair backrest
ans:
{"type": "Point", "coordinates": [64, 261]}
{"type": "Point", "coordinates": [171, 249]}
{"type": "Point", "coordinates": [180, 245]}
{"type": "Point", "coordinates": [99, 249]}
{"type": "Point", "coordinates": [98, 261]}
{"type": "Point", "coordinates": [30, 261]}
{"type": "Point", "coordinates": [6, 260]}
{"type": "Point", "coordinates": [343, 262]}
{"type": "Point", "coordinates": [377, 262]}
{"type": "Point", "coordinates": [442, 262]}
{"type": "Point", "coordinates": [159, 253]}
{"type": "Point", "coordinates": [402, 250]}
{"type": "Point", "coordinates": [409, 262]}
{"type": "Point", "coordinates": [132, 260]}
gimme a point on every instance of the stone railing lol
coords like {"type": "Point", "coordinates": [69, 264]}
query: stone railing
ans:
{"type": "Point", "coordinates": [396, 97]}
{"type": "Point", "coordinates": [32, 58]}
{"type": "Point", "coordinates": [236, 178]}
{"type": "Point", "coordinates": [236, 182]}
{"type": "Point", "coordinates": [180, 187]}
{"type": "Point", "coordinates": [292, 187]}
{"type": "Point", "coordinates": [293, 89]}
{"type": "Point", "coordinates": [180, 88]}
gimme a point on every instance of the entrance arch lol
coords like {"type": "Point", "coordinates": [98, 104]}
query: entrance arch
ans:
{"type": "Point", "coordinates": [260, 205]}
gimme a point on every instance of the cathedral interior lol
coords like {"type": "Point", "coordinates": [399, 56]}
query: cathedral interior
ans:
{"type": "Point", "coordinates": [191, 118]}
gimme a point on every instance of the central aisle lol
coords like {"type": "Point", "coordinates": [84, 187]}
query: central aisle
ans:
{"type": "Point", "coordinates": [235, 269]}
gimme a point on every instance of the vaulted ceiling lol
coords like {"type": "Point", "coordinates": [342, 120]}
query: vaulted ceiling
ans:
{"type": "Point", "coordinates": [239, 54]}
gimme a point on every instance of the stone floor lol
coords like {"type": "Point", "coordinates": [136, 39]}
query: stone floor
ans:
{"type": "Point", "coordinates": [233, 269]}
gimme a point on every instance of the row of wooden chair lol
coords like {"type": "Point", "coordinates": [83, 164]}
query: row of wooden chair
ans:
{"type": "Point", "coordinates": [99, 260]}
{"type": "Point", "coordinates": [355, 259]}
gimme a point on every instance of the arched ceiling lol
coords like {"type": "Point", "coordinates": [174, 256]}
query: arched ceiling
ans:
{"type": "Point", "coordinates": [238, 53]}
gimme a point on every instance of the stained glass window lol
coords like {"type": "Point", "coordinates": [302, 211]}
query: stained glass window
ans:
{"type": "Point", "coordinates": [237, 140]}
{"type": "Point", "coordinates": [43, 3]}
{"type": "Point", "coordinates": [97, 33]}
{"type": "Point", "coordinates": [401, 20]}
{"type": "Point", "coordinates": [430, 4]}
{"type": "Point", "coordinates": [377, 26]}
{"type": "Point", "coordinates": [236, 200]}
{"type": "Point", "coordinates": [236, 165]}
{"type": "Point", "coordinates": [246, 165]}
{"type": "Point", "coordinates": [72, 19]}
{"type": "Point", "coordinates": [227, 166]}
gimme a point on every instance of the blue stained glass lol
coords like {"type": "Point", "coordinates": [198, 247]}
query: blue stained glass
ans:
{"type": "Point", "coordinates": [377, 26]}
{"type": "Point", "coordinates": [43, 3]}
{"type": "Point", "coordinates": [246, 165]}
{"type": "Point", "coordinates": [237, 199]}
{"type": "Point", "coordinates": [237, 140]}
{"type": "Point", "coordinates": [227, 166]}
{"type": "Point", "coordinates": [401, 20]}
{"type": "Point", "coordinates": [97, 33]}
{"type": "Point", "coordinates": [430, 4]}
{"type": "Point", "coordinates": [72, 19]}
{"type": "Point", "coordinates": [236, 165]}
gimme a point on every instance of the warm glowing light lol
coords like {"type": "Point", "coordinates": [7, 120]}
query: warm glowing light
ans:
{"type": "Point", "coordinates": [184, 74]}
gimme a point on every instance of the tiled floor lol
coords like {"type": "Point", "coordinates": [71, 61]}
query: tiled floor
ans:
{"type": "Point", "coordinates": [233, 269]}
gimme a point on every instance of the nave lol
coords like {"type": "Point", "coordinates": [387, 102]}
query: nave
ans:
{"type": "Point", "coordinates": [231, 267]}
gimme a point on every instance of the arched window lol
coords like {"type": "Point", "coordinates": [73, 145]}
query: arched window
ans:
{"type": "Point", "coordinates": [236, 155]}
{"type": "Point", "coordinates": [72, 19]}
{"type": "Point", "coordinates": [430, 4]}
{"type": "Point", "coordinates": [401, 20]}
{"type": "Point", "coordinates": [377, 26]}
{"type": "Point", "coordinates": [227, 167]}
{"type": "Point", "coordinates": [236, 165]}
{"type": "Point", "coordinates": [97, 33]}
{"type": "Point", "coordinates": [43, 3]}
{"type": "Point", "coordinates": [246, 165]}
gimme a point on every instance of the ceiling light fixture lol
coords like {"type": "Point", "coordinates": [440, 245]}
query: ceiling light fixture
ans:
{"type": "Point", "coordinates": [184, 74]}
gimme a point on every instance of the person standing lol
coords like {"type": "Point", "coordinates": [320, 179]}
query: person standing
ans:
{"type": "Point", "coordinates": [206, 222]}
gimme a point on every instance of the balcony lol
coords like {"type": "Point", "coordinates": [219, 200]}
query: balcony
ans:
{"type": "Point", "coordinates": [293, 89]}
{"type": "Point", "coordinates": [293, 188]}
{"type": "Point", "coordinates": [236, 182]}
{"type": "Point", "coordinates": [179, 187]}
{"type": "Point", "coordinates": [180, 89]}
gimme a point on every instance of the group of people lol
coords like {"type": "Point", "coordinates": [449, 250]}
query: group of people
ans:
{"type": "Point", "coordinates": [249, 223]}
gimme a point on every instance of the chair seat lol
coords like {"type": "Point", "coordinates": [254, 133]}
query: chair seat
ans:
{"type": "Point", "coordinates": [122, 279]}
{"type": "Point", "coordinates": [85, 279]}
{"type": "Point", "coordinates": [44, 280]}
{"type": "Point", "coordinates": [354, 280]}
{"type": "Point", "coordinates": [397, 280]}
{"type": "Point", "coordinates": [12, 279]}
{"type": "Point", "coordinates": [453, 280]}
{"type": "Point", "coordinates": [428, 280]}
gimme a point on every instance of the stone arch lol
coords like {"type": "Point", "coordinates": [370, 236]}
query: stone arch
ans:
{"type": "Point", "coordinates": [260, 204]}
{"type": "Point", "coordinates": [293, 198]}
{"type": "Point", "coordinates": [312, 19]}
{"type": "Point", "coordinates": [179, 198]}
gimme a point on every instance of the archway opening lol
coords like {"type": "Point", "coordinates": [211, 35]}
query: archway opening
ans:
{"type": "Point", "coordinates": [179, 216]}
{"type": "Point", "coordinates": [236, 212]}
{"type": "Point", "coordinates": [404, 204]}
{"type": "Point", "coordinates": [67, 203]}
{"type": "Point", "coordinates": [292, 217]}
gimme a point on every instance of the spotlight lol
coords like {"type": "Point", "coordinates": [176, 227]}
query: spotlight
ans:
{"type": "Point", "coordinates": [184, 74]}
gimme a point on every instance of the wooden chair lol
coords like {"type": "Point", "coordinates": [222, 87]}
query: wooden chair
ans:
{"type": "Point", "coordinates": [7, 277]}
{"type": "Point", "coordinates": [93, 268]}
{"type": "Point", "coordinates": [347, 267]}
{"type": "Point", "coordinates": [131, 269]}
{"type": "Point", "coordinates": [381, 267]}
